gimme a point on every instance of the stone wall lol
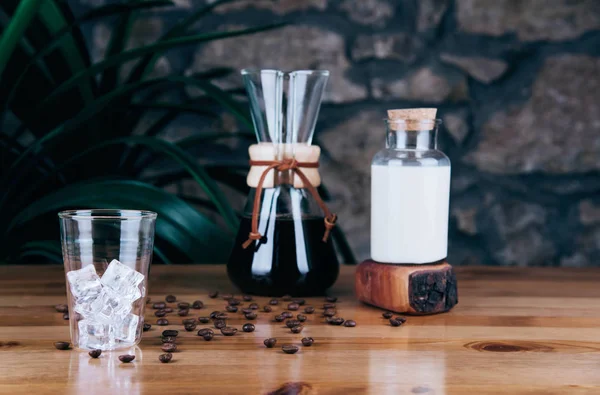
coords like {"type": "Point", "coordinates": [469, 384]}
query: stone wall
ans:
{"type": "Point", "coordinates": [517, 84]}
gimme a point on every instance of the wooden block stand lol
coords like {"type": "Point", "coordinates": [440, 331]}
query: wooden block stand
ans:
{"type": "Point", "coordinates": [409, 289]}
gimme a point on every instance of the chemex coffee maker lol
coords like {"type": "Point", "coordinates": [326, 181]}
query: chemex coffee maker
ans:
{"type": "Point", "coordinates": [410, 191]}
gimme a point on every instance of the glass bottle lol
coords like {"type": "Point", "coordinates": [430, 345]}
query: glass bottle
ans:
{"type": "Point", "coordinates": [291, 256]}
{"type": "Point", "coordinates": [410, 190]}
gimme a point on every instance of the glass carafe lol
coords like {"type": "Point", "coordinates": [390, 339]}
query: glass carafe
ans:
{"type": "Point", "coordinates": [290, 253]}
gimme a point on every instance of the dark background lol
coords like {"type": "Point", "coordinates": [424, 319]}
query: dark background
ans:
{"type": "Point", "coordinates": [517, 84]}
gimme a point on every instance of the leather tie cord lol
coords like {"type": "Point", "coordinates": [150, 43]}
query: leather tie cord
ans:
{"type": "Point", "coordinates": [284, 165]}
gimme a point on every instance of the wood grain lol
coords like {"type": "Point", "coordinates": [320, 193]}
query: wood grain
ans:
{"type": "Point", "coordinates": [526, 331]}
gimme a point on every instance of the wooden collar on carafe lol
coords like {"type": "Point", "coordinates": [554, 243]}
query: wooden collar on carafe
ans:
{"type": "Point", "coordinates": [303, 164]}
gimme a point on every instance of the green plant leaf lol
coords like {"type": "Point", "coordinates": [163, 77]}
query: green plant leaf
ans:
{"type": "Point", "coordinates": [118, 40]}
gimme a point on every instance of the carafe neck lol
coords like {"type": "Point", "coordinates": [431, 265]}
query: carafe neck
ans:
{"type": "Point", "coordinates": [412, 135]}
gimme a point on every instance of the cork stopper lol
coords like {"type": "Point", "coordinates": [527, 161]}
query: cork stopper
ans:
{"type": "Point", "coordinates": [414, 118]}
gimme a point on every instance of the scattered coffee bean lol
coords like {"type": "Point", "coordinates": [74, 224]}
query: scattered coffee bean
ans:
{"type": "Point", "coordinates": [401, 319]}
{"type": "Point", "coordinates": [165, 358]}
{"type": "Point", "coordinates": [204, 331]}
{"type": "Point", "coordinates": [170, 332]}
{"type": "Point", "coordinates": [213, 294]}
{"type": "Point", "coordinates": [162, 321]}
{"type": "Point", "coordinates": [214, 314]}
{"type": "Point", "coordinates": [270, 342]}
{"type": "Point", "coordinates": [297, 329]}
{"type": "Point", "coordinates": [168, 310]}
{"type": "Point", "coordinates": [147, 327]}
{"type": "Point", "coordinates": [228, 331]}
{"type": "Point", "coordinates": [61, 308]}
{"type": "Point", "coordinates": [286, 298]}
{"type": "Point", "coordinates": [203, 320]}
{"type": "Point", "coordinates": [160, 313]}
{"type": "Point", "coordinates": [289, 349]}
{"type": "Point", "coordinates": [62, 345]}
{"type": "Point", "coordinates": [329, 312]}
{"type": "Point", "coordinates": [279, 318]}
{"type": "Point", "coordinates": [292, 323]}
{"type": "Point", "coordinates": [219, 324]}
{"type": "Point", "coordinates": [300, 302]}
{"type": "Point", "coordinates": [350, 323]}
{"type": "Point", "coordinates": [307, 341]}
{"type": "Point", "coordinates": [273, 302]}
{"type": "Point", "coordinates": [126, 358]}
{"type": "Point", "coordinates": [247, 298]}
{"type": "Point", "coordinates": [169, 347]}
{"type": "Point", "coordinates": [253, 306]}
{"type": "Point", "coordinates": [301, 317]}
{"type": "Point", "coordinates": [227, 296]}
{"type": "Point", "coordinates": [287, 314]}
{"type": "Point", "coordinates": [168, 339]}
{"type": "Point", "coordinates": [234, 302]}
{"type": "Point", "coordinates": [65, 316]}
{"type": "Point", "coordinates": [336, 321]}
{"type": "Point", "coordinates": [387, 314]}
{"type": "Point", "coordinates": [183, 305]}
{"type": "Point", "coordinates": [309, 310]}
{"type": "Point", "coordinates": [395, 322]}
{"type": "Point", "coordinates": [246, 310]}
{"type": "Point", "coordinates": [248, 327]}
{"type": "Point", "coordinates": [208, 336]}
{"type": "Point", "coordinates": [171, 298]}
{"type": "Point", "coordinates": [190, 327]}
{"type": "Point", "coordinates": [95, 353]}
{"type": "Point", "coordinates": [267, 309]}
{"type": "Point", "coordinates": [221, 316]}
{"type": "Point", "coordinates": [329, 306]}
{"type": "Point", "coordinates": [293, 306]}
{"type": "Point", "coordinates": [188, 321]}
{"type": "Point", "coordinates": [250, 316]}
{"type": "Point", "coordinates": [198, 304]}
{"type": "Point", "coordinates": [183, 312]}
{"type": "Point", "coordinates": [159, 305]}
{"type": "Point", "coordinates": [231, 309]}
{"type": "Point", "coordinates": [331, 299]}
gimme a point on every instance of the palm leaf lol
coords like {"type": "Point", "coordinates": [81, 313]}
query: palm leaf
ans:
{"type": "Point", "coordinates": [118, 41]}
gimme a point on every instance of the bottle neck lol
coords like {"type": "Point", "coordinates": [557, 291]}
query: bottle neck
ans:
{"type": "Point", "coordinates": [417, 139]}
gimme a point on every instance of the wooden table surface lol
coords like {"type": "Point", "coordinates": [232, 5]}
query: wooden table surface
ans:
{"type": "Point", "coordinates": [514, 331]}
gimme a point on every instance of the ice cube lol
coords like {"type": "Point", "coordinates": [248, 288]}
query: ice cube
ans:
{"type": "Point", "coordinates": [126, 330]}
{"type": "Point", "coordinates": [123, 280]}
{"type": "Point", "coordinates": [94, 335]}
{"type": "Point", "coordinates": [109, 307]}
{"type": "Point", "coordinates": [84, 284]}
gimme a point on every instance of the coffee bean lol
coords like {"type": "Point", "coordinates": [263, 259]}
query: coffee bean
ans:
{"type": "Point", "coordinates": [183, 305]}
{"type": "Point", "coordinates": [279, 318]}
{"type": "Point", "coordinates": [203, 320]}
{"type": "Point", "coordinates": [219, 324]}
{"type": "Point", "coordinates": [307, 341]}
{"type": "Point", "coordinates": [350, 323]}
{"type": "Point", "coordinates": [231, 309]}
{"type": "Point", "coordinates": [165, 358]}
{"type": "Point", "coordinates": [247, 310]}
{"type": "Point", "coordinates": [289, 349]}
{"type": "Point", "coordinates": [61, 308]}
{"type": "Point", "coordinates": [170, 332]}
{"type": "Point", "coordinates": [401, 319]}
{"type": "Point", "coordinates": [292, 323]}
{"type": "Point", "coordinates": [329, 312]}
{"type": "Point", "coordinates": [227, 296]}
{"type": "Point", "coordinates": [221, 316]}
{"type": "Point", "coordinates": [228, 331]}
{"type": "Point", "coordinates": [148, 300]}
{"type": "Point", "coordinates": [162, 322]}
{"type": "Point", "coordinates": [286, 298]}
{"type": "Point", "coordinates": [267, 309]}
{"type": "Point", "coordinates": [329, 306]}
{"type": "Point", "coordinates": [247, 298]}
{"type": "Point", "coordinates": [270, 342]}
{"type": "Point", "coordinates": [300, 302]}
{"type": "Point", "coordinates": [309, 310]}
{"type": "Point", "coordinates": [183, 312]}
{"type": "Point", "coordinates": [387, 314]}
{"type": "Point", "coordinates": [208, 336]}
{"type": "Point", "coordinates": [253, 306]}
{"type": "Point", "coordinates": [190, 327]}
{"type": "Point", "coordinates": [95, 353]}
{"type": "Point", "coordinates": [301, 317]}
{"type": "Point", "coordinates": [248, 327]}
{"type": "Point", "coordinates": [168, 339]}
{"type": "Point", "coordinates": [293, 306]}
{"type": "Point", "coordinates": [188, 321]}
{"type": "Point", "coordinates": [250, 316]}
{"type": "Point", "coordinates": [234, 302]}
{"type": "Point", "coordinates": [159, 305]}
{"type": "Point", "coordinates": [331, 299]}
{"type": "Point", "coordinates": [287, 314]}
{"type": "Point", "coordinates": [213, 294]}
{"type": "Point", "coordinates": [126, 358]}
{"type": "Point", "coordinates": [273, 302]}
{"type": "Point", "coordinates": [65, 316]}
{"type": "Point", "coordinates": [62, 345]}
{"type": "Point", "coordinates": [168, 310]}
{"type": "Point", "coordinates": [160, 313]}
{"type": "Point", "coordinates": [395, 322]}
{"type": "Point", "coordinates": [147, 327]}
{"type": "Point", "coordinates": [204, 331]}
{"type": "Point", "coordinates": [336, 321]}
{"type": "Point", "coordinates": [198, 304]}
{"type": "Point", "coordinates": [214, 314]}
{"type": "Point", "coordinates": [297, 329]}
{"type": "Point", "coordinates": [171, 298]}
{"type": "Point", "coordinates": [169, 347]}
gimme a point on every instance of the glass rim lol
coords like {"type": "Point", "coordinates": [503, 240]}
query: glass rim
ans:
{"type": "Point", "coordinates": [107, 214]}
{"type": "Point", "coordinates": [319, 72]}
